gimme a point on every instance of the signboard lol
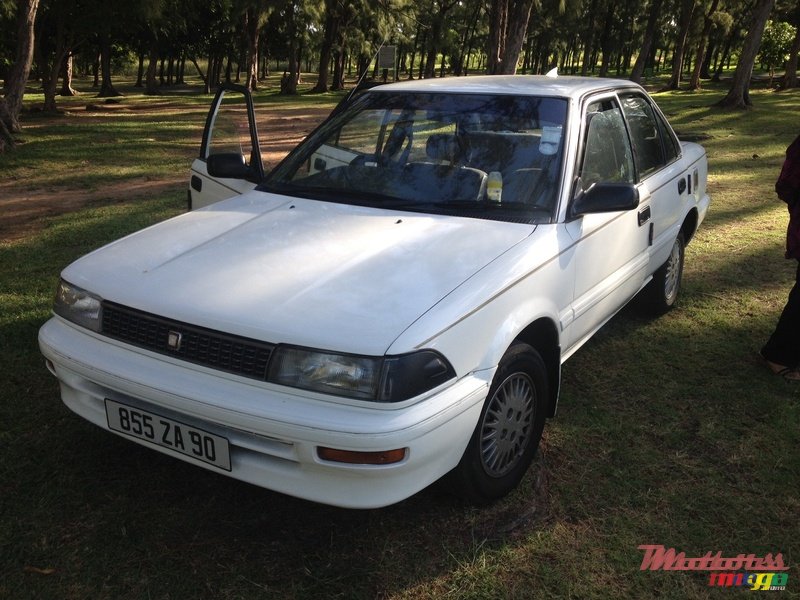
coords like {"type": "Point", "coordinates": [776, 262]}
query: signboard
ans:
{"type": "Point", "coordinates": [387, 57]}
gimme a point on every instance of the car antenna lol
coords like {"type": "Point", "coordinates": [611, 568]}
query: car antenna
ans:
{"type": "Point", "coordinates": [363, 75]}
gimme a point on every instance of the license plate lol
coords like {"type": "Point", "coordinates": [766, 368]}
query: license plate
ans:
{"type": "Point", "coordinates": [168, 433]}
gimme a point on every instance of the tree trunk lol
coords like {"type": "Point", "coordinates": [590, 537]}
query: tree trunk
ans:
{"type": "Point", "coordinates": [289, 80]}
{"type": "Point", "coordinates": [739, 94]}
{"type": "Point", "coordinates": [66, 77]}
{"type": "Point", "coordinates": [206, 84]}
{"type": "Point", "coordinates": [647, 42]}
{"type": "Point", "coordinates": [684, 24]}
{"type": "Point", "coordinates": [705, 67]}
{"type": "Point", "coordinates": [338, 74]}
{"type": "Point", "coordinates": [790, 78]}
{"type": "Point", "coordinates": [6, 138]}
{"type": "Point", "coordinates": [96, 71]}
{"type": "Point", "coordinates": [588, 41]}
{"type": "Point", "coordinates": [498, 22]}
{"type": "Point", "coordinates": [694, 83]}
{"type": "Point", "coordinates": [50, 58]}
{"type": "Point", "coordinates": [606, 40]}
{"type": "Point", "coordinates": [434, 39]}
{"type": "Point", "coordinates": [140, 71]}
{"type": "Point", "coordinates": [107, 88]}
{"type": "Point", "coordinates": [151, 84]}
{"type": "Point", "coordinates": [509, 23]}
{"type": "Point", "coordinates": [51, 68]}
{"type": "Point", "coordinates": [519, 15]}
{"type": "Point", "coordinates": [179, 78]}
{"type": "Point", "coordinates": [331, 33]}
{"type": "Point", "coordinates": [18, 74]}
{"type": "Point", "coordinates": [729, 43]}
{"type": "Point", "coordinates": [253, 29]}
{"type": "Point", "coordinates": [422, 55]}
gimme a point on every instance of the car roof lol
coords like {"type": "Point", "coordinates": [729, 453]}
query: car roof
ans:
{"type": "Point", "coordinates": [533, 85]}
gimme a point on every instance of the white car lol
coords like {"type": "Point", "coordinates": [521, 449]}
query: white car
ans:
{"type": "Point", "coordinates": [393, 302]}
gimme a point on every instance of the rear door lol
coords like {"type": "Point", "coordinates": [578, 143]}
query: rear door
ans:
{"type": "Point", "coordinates": [230, 160]}
{"type": "Point", "coordinates": [663, 176]}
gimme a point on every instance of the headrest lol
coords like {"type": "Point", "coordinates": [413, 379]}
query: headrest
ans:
{"type": "Point", "coordinates": [442, 146]}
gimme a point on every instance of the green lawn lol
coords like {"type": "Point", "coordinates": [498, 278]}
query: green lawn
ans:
{"type": "Point", "coordinates": [669, 431]}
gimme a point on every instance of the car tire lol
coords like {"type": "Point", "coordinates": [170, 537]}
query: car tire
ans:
{"type": "Point", "coordinates": [508, 432]}
{"type": "Point", "coordinates": [662, 292]}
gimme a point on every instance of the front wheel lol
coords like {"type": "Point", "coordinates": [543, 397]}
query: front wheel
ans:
{"type": "Point", "coordinates": [508, 432]}
{"type": "Point", "coordinates": [661, 293]}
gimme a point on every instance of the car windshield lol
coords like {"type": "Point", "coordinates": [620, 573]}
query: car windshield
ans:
{"type": "Point", "coordinates": [474, 155]}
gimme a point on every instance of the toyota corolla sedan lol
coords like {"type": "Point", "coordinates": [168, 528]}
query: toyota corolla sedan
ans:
{"type": "Point", "coordinates": [392, 303]}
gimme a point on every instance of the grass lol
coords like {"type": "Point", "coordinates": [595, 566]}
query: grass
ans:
{"type": "Point", "coordinates": [669, 431]}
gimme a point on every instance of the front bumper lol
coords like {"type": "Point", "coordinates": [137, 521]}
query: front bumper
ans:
{"type": "Point", "coordinates": [273, 431]}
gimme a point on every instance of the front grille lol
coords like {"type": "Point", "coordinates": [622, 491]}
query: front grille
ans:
{"type": "Point", "coordinates": [199, 345]}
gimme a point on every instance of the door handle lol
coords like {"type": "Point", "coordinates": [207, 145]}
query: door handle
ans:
{"type": "Point", "coordinates": [197, 183]}
{"type": "Point", "coordinates": [644, 215]}
{"type": "Point", "coordinates": [681, 185]}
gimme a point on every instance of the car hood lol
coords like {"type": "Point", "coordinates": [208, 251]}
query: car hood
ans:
{"type": "Point", "coordinates": [296, 271]}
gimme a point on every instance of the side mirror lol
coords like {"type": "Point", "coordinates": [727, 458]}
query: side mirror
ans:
{"type": "Point", "coordinates": [228, 164]}
{"type": "Point", "coordinates": [605, 197]}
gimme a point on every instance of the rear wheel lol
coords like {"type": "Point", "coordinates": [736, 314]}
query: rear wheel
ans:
{"type": "Point", "coordinates": [661, 293]}
{"type": "Point", "coordinates": [509, 429]}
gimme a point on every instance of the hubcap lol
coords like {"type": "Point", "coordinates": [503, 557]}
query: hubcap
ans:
{"type": "Point", "coordinates": [673, 273]}
{"type": "Point", "coordinates": [507, 425]}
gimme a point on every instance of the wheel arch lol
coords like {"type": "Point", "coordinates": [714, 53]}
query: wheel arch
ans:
{"type": "Point", "coordinates": [542, 336]}
{"type": "Point", "coordinates": [689, 226]}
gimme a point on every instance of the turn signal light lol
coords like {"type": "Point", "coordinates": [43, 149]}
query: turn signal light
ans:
{"type": "Point", "coordinates": [384, 457]}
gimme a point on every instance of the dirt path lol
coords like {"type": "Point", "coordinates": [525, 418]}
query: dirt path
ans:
{"type": "Point", "coordinates": [25, 210]}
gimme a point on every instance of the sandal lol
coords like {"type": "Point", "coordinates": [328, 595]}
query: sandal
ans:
{"type": "Point", "coordinates": [788, 373]}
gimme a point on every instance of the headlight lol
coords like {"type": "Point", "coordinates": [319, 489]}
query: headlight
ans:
{"type": "Point", "coordinates": [337, 374]}
{"type": "Point", "coordinates": [380, 379]}
{"type": "Point", "coordinates": [78, 306]}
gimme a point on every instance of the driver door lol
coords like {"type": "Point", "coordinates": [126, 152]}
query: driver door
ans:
{"type": "Point", "coordinates": [612, 247]}
{"type": "Point", "coordinates": [230, 159]}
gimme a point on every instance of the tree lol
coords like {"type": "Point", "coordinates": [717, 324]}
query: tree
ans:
{"type": "Point", "coordinates": [647, 41]}
{"type": "Point", "coordinates": [684, 24]}
{"type": "Point", "coordinates": [790, 77]}
{"type": "Point", "coordinates": [55, 38]}
{"type": "Point", "coordinates": [775, 45]}
{"type": "Point", "coordinates": [114, 21]}
{"type": "Point", "coordinates": [330, 34]}
{"type": "Point", "coordinates": [739, 94]}
{"type": "Point", "coordinates": [11, 103]}
{"type": "Point", "coordinates": [508, 24]}
{"type": "Point", "coordinates": [708, 23]}
{"type": "Point", "coordinates": [256, 15]}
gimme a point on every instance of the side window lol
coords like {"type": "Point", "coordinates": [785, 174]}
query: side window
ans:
{"type": "Point", "coordinates": [229, 131]}
{"type": "Point", "coordinates": [646, 134]}
{"type": "Point", "coordinates": [230, 140]}
{"type": "Point", "coordinates": [607, 152]}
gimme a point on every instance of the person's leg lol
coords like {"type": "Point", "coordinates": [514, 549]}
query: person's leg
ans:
{"type": "Point", "coordinates": [783, 347]}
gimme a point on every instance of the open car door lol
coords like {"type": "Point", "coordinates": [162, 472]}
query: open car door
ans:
{"type": "Point", "coordinates": [230, 159]}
